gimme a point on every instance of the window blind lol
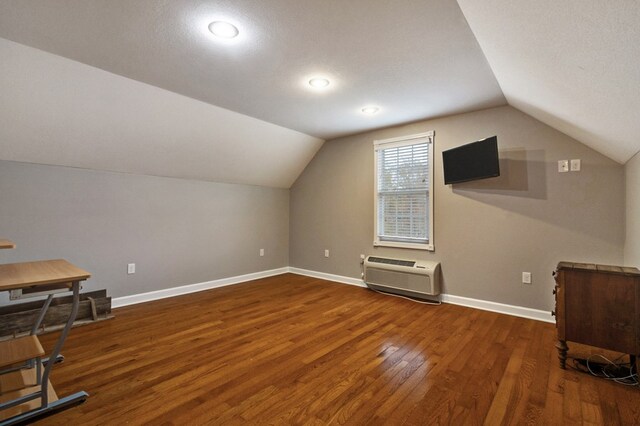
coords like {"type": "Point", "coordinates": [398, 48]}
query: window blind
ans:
{"type": "Point", "coordinates": [403, 193]}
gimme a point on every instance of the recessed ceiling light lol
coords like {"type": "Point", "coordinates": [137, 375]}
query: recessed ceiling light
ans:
{"type": "Point", "coordinates": [223, 29]}
{"type": "Point", "coordinates": [370, 110]}
{"type": "Point", "coordinates": [319, 83]}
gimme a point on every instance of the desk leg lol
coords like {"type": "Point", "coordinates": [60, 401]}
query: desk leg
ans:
{"type": "Point", "coordinates": [47, 408]}
{"type": "Point", "coordinates": [63, 336]}
{"type": "Point", "coordinates": [43, 311]}
{"type": "Point", "coordinates": [57, 360]}
{"type": "Point", "coordinates": [36, 325]}
{"type": "Point", "coordinates": [40, 413]}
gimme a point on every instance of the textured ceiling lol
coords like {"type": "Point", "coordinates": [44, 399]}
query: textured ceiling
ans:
{"type": "Point", "coordinates": [61, 112]}
{"type": "Point", "coordinates": [572, 64]}
{"type": "Point", "coordinates": [415, 59]}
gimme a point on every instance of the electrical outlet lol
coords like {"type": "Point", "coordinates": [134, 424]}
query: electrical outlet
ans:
{"type": "Point", "coordinates": [131, 268]}
{"type": "Point", "coordinates": [563, 166]}
{"type": "Point", "coordinates": [326, 253]}
{"type": "Point", "coordinates": [575, 165]}
{"type": "Point", "coordinates": [261, 252]}
{"type": "Point", "coordinates": [526, 277]}
{"type": "Point", "coordinates": [362, 257]}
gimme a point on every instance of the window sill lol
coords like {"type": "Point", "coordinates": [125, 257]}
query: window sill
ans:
{"type": "Point", "coordinates": [397, 244]}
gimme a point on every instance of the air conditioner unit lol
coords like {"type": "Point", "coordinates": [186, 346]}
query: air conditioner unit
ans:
{"type": "Point", "coordinates": [415, 278]}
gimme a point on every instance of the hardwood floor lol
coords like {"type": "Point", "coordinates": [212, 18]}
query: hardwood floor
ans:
{"type": "Point", "coordinates": [297, 350]}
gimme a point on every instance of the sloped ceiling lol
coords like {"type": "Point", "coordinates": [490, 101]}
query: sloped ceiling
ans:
{"type": "Point", "coordinates": [415, 60]}
{"type": "Point", "coordinates": [61, 112]}
{"type": "Point", "coordinates": [572, 64]}
{"type": "Point", "coordinates": [145, 88]}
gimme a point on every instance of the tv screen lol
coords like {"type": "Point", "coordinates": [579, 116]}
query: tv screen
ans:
{"type": "Point", "coordinates": [476, 160]}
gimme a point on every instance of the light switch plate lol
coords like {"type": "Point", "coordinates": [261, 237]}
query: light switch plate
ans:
{"type": "Point", "coordinates": [575, 165]}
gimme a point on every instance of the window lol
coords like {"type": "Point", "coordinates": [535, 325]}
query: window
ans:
{"type": "Point", "coordinates": [403, 192]}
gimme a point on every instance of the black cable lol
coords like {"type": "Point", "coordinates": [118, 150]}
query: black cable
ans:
{"type": "Point", "coordinates": [619, 372]}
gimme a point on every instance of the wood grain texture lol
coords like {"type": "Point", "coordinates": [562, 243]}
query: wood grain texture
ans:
{"type": "Point", "coordinates": [39, 274]}
{"type": "Point", "coordinates": [55, 318]}
{"type": "Point", "coordinates": [18, 350]}
{"type": "Point", "coordinates": [598, 307]}
{"type": "Point", "coordinates": [298, 350]}
{"type": "Point", "coordinates": [61, 299]}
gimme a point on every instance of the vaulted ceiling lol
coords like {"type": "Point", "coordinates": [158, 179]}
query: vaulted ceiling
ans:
{"type": "Point", "coordinates": [572, 64]}
{"type": "Point", "coordinates": [414, 61]}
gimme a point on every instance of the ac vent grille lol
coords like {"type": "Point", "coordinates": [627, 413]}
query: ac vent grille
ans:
{"type": "Point", "coordinates": [392, 261]}
{"type": "Point", "coordinates": [415, 278]}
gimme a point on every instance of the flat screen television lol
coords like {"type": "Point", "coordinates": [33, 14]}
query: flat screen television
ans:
{"type": "Point", "coordinates": [476, 160]}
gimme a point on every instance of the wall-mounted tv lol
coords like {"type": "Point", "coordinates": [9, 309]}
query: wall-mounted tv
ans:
{"type": "Point", "coordinates": [476, 160]}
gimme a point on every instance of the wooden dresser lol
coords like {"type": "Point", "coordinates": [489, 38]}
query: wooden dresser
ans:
{"type": "Point", "coordinates": [597, 305]}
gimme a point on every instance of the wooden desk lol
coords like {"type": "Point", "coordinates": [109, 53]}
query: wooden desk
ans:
{"type": "Point", "coordinates": [39, 275]}
{"type": "Point", "coordinates": [23, 386]}
{"type": "Point", "coordinates": [6, 244]}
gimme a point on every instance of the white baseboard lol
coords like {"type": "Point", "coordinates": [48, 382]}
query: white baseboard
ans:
{"type": "Point", "coordinates": [518, 311]}
{"type": "Point", "coordinates": [329, 277]}
{"type": "Point", "coordinates": [119, 302]}
{"type": "Point", "coordinates": [485, 305]}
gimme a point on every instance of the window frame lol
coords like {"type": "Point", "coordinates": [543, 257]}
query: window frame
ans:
{"type": "Point", "coordinates": [426, 137]}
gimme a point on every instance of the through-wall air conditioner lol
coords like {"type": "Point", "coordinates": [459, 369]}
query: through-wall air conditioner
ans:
{"type": "Point", "coordinates": [415, 278]}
